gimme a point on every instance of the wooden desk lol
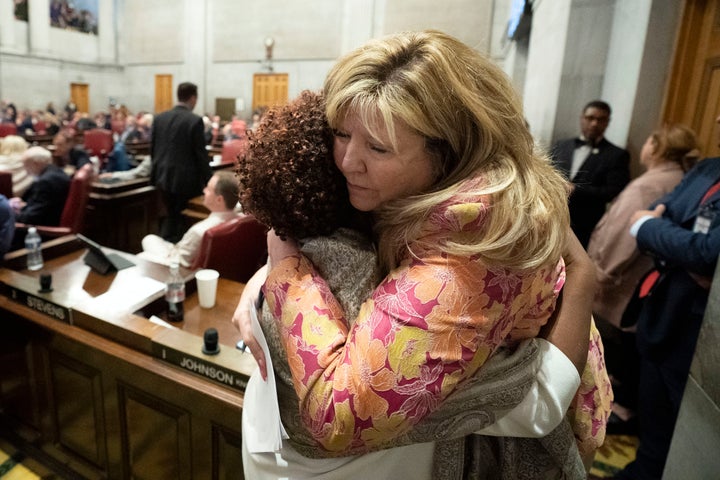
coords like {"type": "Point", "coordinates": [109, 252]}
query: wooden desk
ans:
{"type": "Point", "coordinates": [99, 397]}
{"type": "Point", "coordinates": [120, 214]}
{"type": "Point", "coordinates": [137, 149]}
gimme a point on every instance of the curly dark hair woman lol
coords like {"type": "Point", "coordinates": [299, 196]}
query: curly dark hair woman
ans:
{"type": "Point", "coordinates": [288, 179]}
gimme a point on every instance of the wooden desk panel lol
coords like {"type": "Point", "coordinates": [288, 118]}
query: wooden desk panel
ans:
{"type": "Point", "coordinates": [120, 214]}
{"type": "Point", "coordinates": [93, 398]}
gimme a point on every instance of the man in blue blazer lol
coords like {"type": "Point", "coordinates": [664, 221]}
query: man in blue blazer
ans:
{"type": "Point", "coordinates": [180, 163]}
{"type": "Point", "coordinates": [597, 169]}
{"type": "Point", "coordinates": [682, 233]}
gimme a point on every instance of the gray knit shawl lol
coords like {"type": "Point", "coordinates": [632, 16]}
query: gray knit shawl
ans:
{"type": "Point", "coordinates": [347, 261]}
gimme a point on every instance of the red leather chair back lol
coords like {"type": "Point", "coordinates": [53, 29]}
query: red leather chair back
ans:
{"type": "Point", "coordinates": [232, 149]}
{"type": "Point", "coordinates": [99, 142]}
{"type": "Point", "coordinates": [7, 129]}
{"type": "Point", "coordinates": [236, 248]}
{"type": "Point", "coordinates": [6, 186]}
{"type": "Point", "coordinates": [73, 214]}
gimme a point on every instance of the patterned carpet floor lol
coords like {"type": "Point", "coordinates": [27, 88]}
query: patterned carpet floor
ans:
{"type": "Point", "coordinates": [616, 452]}
{"type": "Point", "coordinates": [12, 467]}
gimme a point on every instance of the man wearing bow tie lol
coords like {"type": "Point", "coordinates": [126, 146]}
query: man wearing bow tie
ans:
{"type": "Point", "coordinates": [597, 169]}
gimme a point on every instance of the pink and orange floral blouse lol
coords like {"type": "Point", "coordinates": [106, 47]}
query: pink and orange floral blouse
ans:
{"type": "Point", "coordinates": [428, 327]}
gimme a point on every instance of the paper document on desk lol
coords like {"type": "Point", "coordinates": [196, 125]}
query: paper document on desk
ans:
{"type": "Point", "coordinates": [265, 432]}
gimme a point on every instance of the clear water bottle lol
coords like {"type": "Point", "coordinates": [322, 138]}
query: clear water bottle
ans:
{"type": "Point", "coordinates": [33, 244]}
{"type": "Point", "coordinates": [175, 294]}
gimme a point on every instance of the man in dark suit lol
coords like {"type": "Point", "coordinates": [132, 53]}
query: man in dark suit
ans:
{"type": "Point", "coordinates": [44, 200]}
{"type": "Point", "coordinates": [180, 163]}
{"type": "Point", "coordinates": [597, 169]}
{"type": "Point", "coordinates": [682, 233]}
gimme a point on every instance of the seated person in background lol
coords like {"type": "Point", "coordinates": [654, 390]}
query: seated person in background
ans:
{"type": "Point", "coordinates": [137, 129]}
{"type": "Point", "coordinates": [43, 202]}
{"type": "Point", "coordinates": [142, 170]}
{"type": "Point", "coordinates": [7, 226]}
{"type": "Point", "coordinates": [620, 265]}
{"type": "Point", "coordinates": [11, 149]}
{"type": "Point", "coordinates": [220, 196]}
{"type": "Point", "coordinates": [67, 152]}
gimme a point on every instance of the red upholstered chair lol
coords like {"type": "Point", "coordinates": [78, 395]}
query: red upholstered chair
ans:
{"type": "Point", "coordinates": [99, 142]}
{"type": "Point", "coordinates": [232, 149]}
{"type": "Point", "coordinates": [72, 219]}
{"type": "Point", "coordinates": [236, 248]}
{"type": "Point", "coordinates": [6, 186]}
{"type": "Point", "coordinates": [7, 129]}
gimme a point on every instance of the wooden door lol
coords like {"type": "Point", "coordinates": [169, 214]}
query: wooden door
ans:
{"type": "Point", "coordinates": [163, 93]}
{"type": "Point", "coordinates": [269, 89]}
{"type": "Point", "coordinates": [79, 94]}
{"type": "Point", "coordinates": [693, 96]}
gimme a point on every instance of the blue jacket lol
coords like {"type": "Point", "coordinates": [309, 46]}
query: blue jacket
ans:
{"type": "Point", "coordinates": [670, 320]}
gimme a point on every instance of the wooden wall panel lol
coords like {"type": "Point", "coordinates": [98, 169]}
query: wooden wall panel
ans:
{"type": "Point", "coordinates": [163, 93]}
{"type": "Point", "coordinates": [269, 89]}
{"type": "Point", "coordinates": [156, 437]}
{"type": "Point", "coordinates": [227, 454]}
{"type": "Point", "coordinates": [693, 96]}
{"type": "Point", "coordinates": [78, 408]}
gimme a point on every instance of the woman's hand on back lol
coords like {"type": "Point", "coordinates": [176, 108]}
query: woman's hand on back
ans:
{"type": "Point", "coordinates": [243, 321]}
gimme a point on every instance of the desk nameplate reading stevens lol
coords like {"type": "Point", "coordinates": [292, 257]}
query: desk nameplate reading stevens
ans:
{"type": "Point", "coordinates": [39, 304]}
{"type": "Point", "coordinates": [199, 366]}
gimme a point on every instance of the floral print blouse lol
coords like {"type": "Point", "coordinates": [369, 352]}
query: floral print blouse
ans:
{"type": "Point", "coordinates": [427, 328]}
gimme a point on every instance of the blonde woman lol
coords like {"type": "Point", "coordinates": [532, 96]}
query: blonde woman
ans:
{"type": "Point", "coordinates": [11, 149]}
{"type": "Point", "coordinates": [471, 223]}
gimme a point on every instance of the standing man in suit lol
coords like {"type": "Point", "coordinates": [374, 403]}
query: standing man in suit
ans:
{"type": "Point", "coordinates": [597, 169]}
{"type": "Point", "coordinates": [180, 163]}
{"type": "Point", "coordinates": [682, 233]}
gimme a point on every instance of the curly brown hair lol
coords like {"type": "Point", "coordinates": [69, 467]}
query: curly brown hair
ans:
{"type": "Point", "coordinates": [288, 179]}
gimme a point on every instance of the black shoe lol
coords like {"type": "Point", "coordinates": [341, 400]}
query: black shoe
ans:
{"type": "Point", "coordinates": [618, 426]}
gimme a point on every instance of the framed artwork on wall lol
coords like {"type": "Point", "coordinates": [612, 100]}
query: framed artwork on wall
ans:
{"type": "Point", "coordinates": [77, 15]}
{"type": "Point", "coordinates": [21, 10]}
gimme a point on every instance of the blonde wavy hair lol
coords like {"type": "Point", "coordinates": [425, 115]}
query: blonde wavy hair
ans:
{"type": "Point", "coordinates": [471, 118]}
{"type": "Point", "coordinates": [13, 145]}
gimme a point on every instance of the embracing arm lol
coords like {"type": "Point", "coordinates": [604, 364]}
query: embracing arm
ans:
{"type": "Point", "coordinates": [427, 328]}
{"type": "Point", "coordinates": [569, 328]}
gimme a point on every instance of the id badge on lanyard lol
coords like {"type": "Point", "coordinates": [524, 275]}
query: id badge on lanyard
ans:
{"type": "Point", "coordinates": [704, 219]}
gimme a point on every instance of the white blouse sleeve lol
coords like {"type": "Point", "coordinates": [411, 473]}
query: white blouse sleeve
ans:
{"type": "Point", "coordinates": [547, 402]}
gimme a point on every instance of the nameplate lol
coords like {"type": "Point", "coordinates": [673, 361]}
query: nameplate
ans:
{"type": "Point", "coordinates": [209, 370]}
{"type": "Point", "coordinates": [58, 312]}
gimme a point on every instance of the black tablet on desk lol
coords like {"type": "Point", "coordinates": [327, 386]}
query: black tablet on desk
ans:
{"type": "Point", "coordinates": [100, 261]}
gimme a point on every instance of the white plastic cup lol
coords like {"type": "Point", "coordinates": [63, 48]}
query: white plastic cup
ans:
{"type": "Point", "coordinates": [207, 287]}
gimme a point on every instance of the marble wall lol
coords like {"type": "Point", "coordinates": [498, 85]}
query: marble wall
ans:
{"type": "Point", "coordinates": [694, 448]}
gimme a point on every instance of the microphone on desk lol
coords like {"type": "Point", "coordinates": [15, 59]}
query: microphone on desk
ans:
{"type": "Point", "coordinates": [210, 342]}
{"type": "Point", "coordinates": [45, 283]}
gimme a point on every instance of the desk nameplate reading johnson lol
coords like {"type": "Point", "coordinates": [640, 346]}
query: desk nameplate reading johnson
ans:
{"type": "Point", "coordinates": [58, 312]}
{"type": "Point", "coordinates": [211, 371]}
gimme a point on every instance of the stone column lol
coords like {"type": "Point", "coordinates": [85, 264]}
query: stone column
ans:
{"type": "Point", "coordinates": [39, 27]}
{"type": "Point", "coordinates": [7, 26]}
